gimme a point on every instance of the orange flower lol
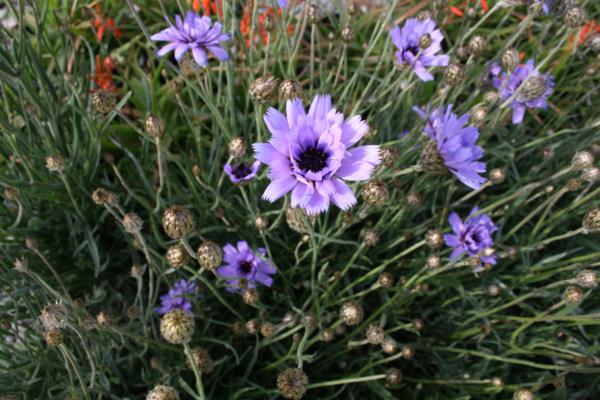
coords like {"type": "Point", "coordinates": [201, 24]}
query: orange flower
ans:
{"type": "Point", "coordinates": [467, 3]}
{"type": "Point", "coordinates": [586, 30]}
{"type": "Point", "coordinates": [209, 7]}
{"type": "Point", "coordinates": [260, 30]}
{"type": "Point", "coordinates": [104, 75]}
{"type": "Point", "coordinates": [104, 25]}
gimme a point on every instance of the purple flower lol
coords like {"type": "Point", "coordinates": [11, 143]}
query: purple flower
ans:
{"type": "Point", "coordinates": [406, 40]}
{"type": "Point", "coordinates": [473, 236]}
{"type": "Point", "coordinates": [455, 144]}
{"type": "Point", "coordinates": [244, 267]}
{"type": "Point", "coordinates": [194, 33]}
{"type": "Point", "coordinates": [178, 297]}
{"type": "Point", "coordinates": [282, 3]}
{"type": "Point", "coordinates": [526, 87]}
{"type": "Point", "coordinates": [242, 173]}
{"type": "Point", "coordinates": [309, 154]}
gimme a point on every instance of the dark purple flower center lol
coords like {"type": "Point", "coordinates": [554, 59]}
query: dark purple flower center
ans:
{"type": "Point", "coordinates": [412, 49]}
{"type": "Point", "coordinates": [241, 171]}
{"type": "Point", "coordinates": [313, 160]}
{"type": "Point", "coordinates": [246, 267]}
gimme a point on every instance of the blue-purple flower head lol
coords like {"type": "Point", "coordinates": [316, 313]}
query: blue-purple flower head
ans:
{"type": "Point", "coordinates": [527, 87]}
{"type": "Point", "coordinates": [241, 173]}
{"type": "Point", "coordinates": [244, 268]}
{"type": "Point", "coordinates": [410, 53]}
{"type": "Point", "coordinates": [310, 155]}
{"type": "Point", "coordinates": [453, 142]}
{"type": "Point", "coordinates": [196, 34]}
{"type": "Point", "coordinates": [178, 297]}
{"type": "Point", "coordinates": [474, 236]}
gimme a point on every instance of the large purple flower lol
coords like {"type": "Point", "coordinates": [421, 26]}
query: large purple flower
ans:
{"type": "Point", "coordinates": [194, 33]}
{"type": "Point", "coordinates": [241, 173]}
{"type": "Point", "coordinates": [455, 144]}
{"type": "Point", "coordinates": [526, 87]}
{"type": "Point", "coordinates": [178, 297]}
{"type": "Point", "coordinates": [309, 154]}
{"type": "Point", "coordinates": [473, 236]}
{"type": "Point", "coordinates": [244, 267]}
{"type": "Point", "coordinates": [407, 40]}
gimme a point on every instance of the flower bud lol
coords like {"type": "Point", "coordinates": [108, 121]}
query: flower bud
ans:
{"type": "Point", "coordinates": [434, 261]}
{"type": "Point", "coordinates": [177, 256]}
{"type": "Point", "coordinates": [177, 327]}
{"type": "Point", "coordinates": [54, 316]}
{"type": "Point", "coordinates": [490, 98]}
{"type": "Point", "coordinates": [477, 45]}
{"type": "Point", "coordinates": [523, 394]}
{"type": "Point", "coordinates": [261, 223]}
{"type": "Point", "coordinates": [369, 237]}
{"type": "Point", "coordinates": [393, 376]}
{"type": "Point", "coordinates": [262, 89]}
{"type": "Point", "coordinates": [454, 74]}
{"type": "Point", "coordinates": [425, 41]}
{"type": "Point", "coordinates": [103, 101]}
{"type": "Point", "coordinates": [327, 335]}
{"type": "Point", "coordinates": [55, 163]}
{"type": "Point", "coordinates": [533, 87]}
{"type": "Point", "coordinates": [497, 176]}
{"type": "Point", "coordinates": [137, 271]}
{"type": "Point", "coordinates": [389, 345]}
{"type": "Point", "coordinates": [155, 126]}
{"type": "Point", "coordinates": [591, 174]}
{"type": "Point", "coordinates": [292, 383]}
{"type": "Point", "coordinates": [477, 116]}
{"type": "Point", "coordinates": [509, 59]}
{"type": "Point", "coordinates": [434, 239]}
{"type": "Point", "coordinates": [133, 312]}
{"type": "Point", "coordinates": [253, 326]}
{"type": "Point", "coordinates": [375, 193]}
{"type": "Point", "coordinates": [414, 200]}
{"type": "Point", "coordinates": [389, 156]}
{"type": "Point", "coordinates": [297, 219]}
{"type": "Point", "coordinates": [581, 160]}
{"type": "Point", "coordinates": [237, 147]}
{"type": "Point", "coordinates": [352, 313]}
{"type": "Point", "coordinates": [591, 220]}
{"type": "Point", "coordinates": [313, 14]}
{"type": "Point", "coordinates": [375, 334]}
{"type": "Point", "coordinates": [289, 90]}
{"type": "Point", "coordinates": [250, 296]}
{"type": "Point", "coordinates": [132, 223]}
{"type": "Point", "coordinates": [347, 35]}
{"type": "Point", "coordinates": [177, 222]}
{"type": "Point", "coordinates": [162, 392]}
{"type": "Point", "coordinates": [267, 329]}
{"type": "Point", "coordinates": [573, 295]}
{"type": "Point", "coordinates": [587, 278]}
{"type": "Point", "coordinates": [269, 23]}
{"type": "Point", "coordinates": [11, 193]}
{"type": "Point", "coordinates": [385, 280]}
{"type": "Point", "coordinates": [574, 17]}
{"type": "Point", "coordinates": [103, 319]}
{"type": "Point", "coordinates": [431, 161]}
{"type": "Point", "coordinates": [104, 197]}
{"type": "Point", "coordinates": [209, 255]}
{"type": "Point", "coordinates": [408, 352]}
{"type": "Point", "coordinates": [203, 360]}
{"type": "Point", "coordinates": [54, 337]}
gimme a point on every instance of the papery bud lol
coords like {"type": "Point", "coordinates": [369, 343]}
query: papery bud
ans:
{"type": "Point", "coordinates": [389, 345]}
{"type": "Point", "coordinates": [253, 326]}
{"type": "Point", "coordinates": [414, 200]}
{"type": "Point", "coordinates": [54, 316]}
{"type": "Point", "coordinates": [591, 220]}
{"type": "Point", "coordinates": [155, 126]}
{"type": "Point", "coordinates": [327, 335]}
{"type": "Point", "coordinates": [389, 156]}
{"type": "Point", "coordinates": [55, 163]}
{"type": "Point", "coordinates": [477, 116]}
{"type": "Point", "coordinates": [434, 238]}
{"type": "Point", "coordinates": [105, 197]}
{"type": "Point", "coordinates": [54, 337]}
{"type": "Point", "coordinates": [493, 290]}
{"type": "Point", "coordinates": [431, 161]}
{"type": "Point", "coordinates": [162, 392]}
{"type": "Point", "coordinates": [574, 17]}
{"type": "Point", "coordinates": [591, 174]}
{"type": "Point", "coordinates": [347, 35]}
{"type": "Point", "coordinates": [408, 352]}
{"type": "Point", "coordinates": [11, 193]}
{"type": "Point", "coordinates": [375, 334]}
{"type": "Point", "coordinates": [393, 376]}
{"type": "Point", "coordinates": [262, 89]}
{"type": "Point", "coordinates": [269, 23]}
{"type": "Point", "coordinates": [497, 176]}
{"type": "Point", "coordinates": [297, 219]}
{"type": "Point", "coordinates": [509, 59]}
{"type": "Point", "coordinates": [137, 271]}
{"type": "Point", "coordinates": [209, 255]}
{"type": "Point", "coordinates": [177, 222]}
{"type": "Point", "coordinates": [292, 383]}
{"type": "Point", "coordinates": [352, 9]}
{"type": "Point", "coordinates": [352, 313]}
{"type": "Point", "coordinates": [533, 87]}
{"type": "Point", "coordinates": [477, 45]}
{"type": "Point", "coordinates": [454, 74]}
{"type": "Point", "coordinates": [203, 360]}
{"type": "Point", "coordinates": [267, 329]}
{"type": "Point", "coordinates": [103, 319]}
{"type": "Point", "coordinates": [581, 160]}
{"type": "Point", "coordinates": [434, 262]}
{"type": "Point", "coordinates": [261, 223]}
{"type": "Point", "coordinates": [425, 41]}
{"type": "Point", "coordinates": [289, 90]}
{"type": "Point", "coordinates": [132, 223]}
{"type": "Point", "coordinates": [177, 326]}
{"type": "Point", "coordinates": [250, 296]}
{"type": "Point", "coordinates": [573, 295]}
{"type": "Point", "coordinates": [587, 278]}
{"type": "Point", "coordinates": [385, 280]}
{"type": "Point", "coordinates": [490, 98]}
{"type": "Point", "coordinates": [177, 256]}
{"type": "Point", "coordinates": [313, 14]}
{"type": "Point", "coordinates": [237, 147]}
{"type": "Point", "coordinates": [103, 101]}
{"type": "Point", "coordinates": [369, 237]}
{"type": "Point", "coordinates": [523, 394]}
{"type": "Point", "coordinates": [375, 193]}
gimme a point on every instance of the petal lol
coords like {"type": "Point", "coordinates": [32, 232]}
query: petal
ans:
{"type": "Point", "coordinates": [320, 106]}
{"type": "Point", "coordinates": [166, 49]}
{"type": "Point", "coordinates": [180, 51]}
{"type": "Point", "coordinates": [518, 114]}
{"type": "Point", "coordinates": [342, 197]}
{"type": "Point", "coordinates": [301, 195]}
{"type": "Point", "coordinates": [456, 223]}
{"type": "Point", "coordinates": [353, 130]}
{"type": "Point", "coordinates": [200, 56]}
{"type": "Point", "coordinates": [219, 52]}
{"type": "Point", "coordinates": [294, 109]}
{"type": "Point", "coordinates": [278, 188]}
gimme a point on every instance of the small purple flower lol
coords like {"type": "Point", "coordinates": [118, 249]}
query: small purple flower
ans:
{"type": "Point", "coordinates": [194, 33]}
{"type": "Point", "coordinates": [178, 297]}
{"type": "Point", "coordinates": [407, 39]}
{"type": "Point", "coordinates": [456, 144]}
{"type": "Point", "coordinates": [282, 3]}
{"type": "Point", "coordinates": [473, 236]}
{"type": "Point", "coordinates": [309, 154]}
{"type": "Point", "coordinates": [242, 173]}
{"type": "Point", "coordinates": [527, 87]}
{"type": "Point", "coordinates": [244, 267]}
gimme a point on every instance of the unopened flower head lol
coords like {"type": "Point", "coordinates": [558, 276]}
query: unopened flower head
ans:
{"type": "Point", "coordinates": [410, 53]}
{"type": "Point", "coordinates": [241, 173]}
{"type": "Point", "coordinates": [455, 144]}
{"type": "Point", "coordinates": [244, 268]}
{"type": "Point", "coordinates": [527, 87]}
{"type": "Point", "coordinates": [178, 297]}
{"type": "Point", "coordinates": [472, 236]}
{"type": "Point", "coordinates": [196, 34]}
{"type": "Point", "coordinates": [309, 154]}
